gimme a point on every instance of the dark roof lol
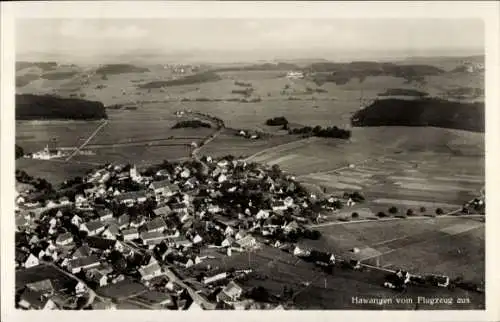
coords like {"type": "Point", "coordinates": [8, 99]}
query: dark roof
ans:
{"type": "Point", "coordinates": [124, 220]}
{"type": "Point", "coordinates": [64, 236]}
{"type": "Point", "coordinates": [82, 251]}
{"type": "Point", "coordinates": [36, 299]}
{"type": "Point", "coordinates": [160, 184]}
{"type": "Point", "coordinates": [129, 231]}
{"type": "Point", "coordinates": [156, 223]}
{"type": "Point", "coordinates": [83, 261]}
{"type": "Point", "coordinates": [43, 286]}
{"type": "Point", "coordinates": [162, 211]}
{"type": "Point", "coordinates": [131, 195]}
{"type": "Point", "coordinates": [178, 205]}
{"type": "Point", "coordinates": [94, 225]}
{"type": "Point", "coordinates": [100, 243]}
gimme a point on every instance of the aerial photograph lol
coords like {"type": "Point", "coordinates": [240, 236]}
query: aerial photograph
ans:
{"type": "Point", "coordinates": [249, 164]}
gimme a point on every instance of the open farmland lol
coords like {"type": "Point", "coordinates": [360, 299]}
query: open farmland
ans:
{"type": "Point", "coordinates": [54, 171]}
{"type": "Point", "coordinates": [449, 245]}
{"type": "Point", "coordinates": [35, 135]}
{"type": "Point", "coordinates": [229, 143]}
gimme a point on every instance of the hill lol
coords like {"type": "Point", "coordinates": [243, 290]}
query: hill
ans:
{"type": "Point", "coordinates": [47, 107]}
{"type": "Point", "coordinates": [342, 73]}
{"type": "Point", "coordinates": [191, 79]}
{"type": "Point", "coordinates": [113, 69]}
{"type": "Point", "coordinates": [422, 112]}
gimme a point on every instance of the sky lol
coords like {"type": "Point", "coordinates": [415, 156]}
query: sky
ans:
{"type": "Point", "coordinates": [259, 38]}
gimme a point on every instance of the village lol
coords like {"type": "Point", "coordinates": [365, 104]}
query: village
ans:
{"type": "Point", "coordinates": [120, 233]}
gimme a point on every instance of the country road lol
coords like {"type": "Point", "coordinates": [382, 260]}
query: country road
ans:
{"type": "Point", "coordinates": [88, 139]}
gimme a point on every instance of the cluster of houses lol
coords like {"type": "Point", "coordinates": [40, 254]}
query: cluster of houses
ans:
{"type": "Point", "coordinates": [170, 216]}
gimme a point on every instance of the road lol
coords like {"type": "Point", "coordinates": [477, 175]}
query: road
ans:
{"type": "Point", "coordinates": [103, 124]}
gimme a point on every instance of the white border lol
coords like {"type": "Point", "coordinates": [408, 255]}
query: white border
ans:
{"type": "Point", "coordinates": [486, 10]}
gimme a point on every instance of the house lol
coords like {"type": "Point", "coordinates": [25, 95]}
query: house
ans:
{"type": "Point", "coordinates": [228, 242]}
{"type": "Point", "coordinates": [81, 201]}
{"type": "Point", "coordinates": [185, 173]}
{"type": "Point", "coordinates": [34, 300]}
{"type": "Point", "coordinates": [131, 198]}
{"type": "Point", "coordinates": [222, 178]}
{"type": "Point", "coordinates": [162, 211]}
{"type": "Point", "coordinates": [288, 202]}
{"type": "Point", "coordinates": [229, 231]}
{"type": "Point", "coordinates": [64, 201]}
{"type": "Point", "coordinates": [240, 234]}
{"type": "Point", "coordinates": [262, 214]}
{"type": "Point", "coordinates": [197, 239]}
{"type": "Point", "coordinates": [64, 239]}
{"type": "Point", "coordinates": [191, 183]}
{"type": "Point", "coordinates": [137, 222]}
{"type": "Point", "coordinates": [76, 220]}
{"type": "Point", "coordinates": [83, 263]}
{"type": "Point", "coordinates": [97, 277]}
{"type": "Point", "coordinates": [130, 234]}
{"type": "Point", "coordinates": [44, 286]}
{"type": "Point", "coordinates": [291, 226]}
{"type": "Point", "coordinates": [214, 208]}
{"type": "Point", "coordinates": [164, 188]}
{"type": "Point", "coordinates": [94, 227]}
{"type": "Point", "coordinates": [26, 260]}
{"type": "Point", "coordinates": [322, 258]}
{"type": "Point", "coordinates": [156, 225]}
{"type": "Point", "coordinates": [104, 214]}
{"type": "Point", "coordinates": [112, 231]}
{"type": "Point", "coordinates": [185, 262]}
{"type": "Point", "coordinates": [350, 203]}
{"type": "Point", "coordinates": [123, 221]}
{"type": "Point", "coordinates": [299, 252]}
{"type": "Point", "coordinates": [278, 205]}
{"type": "Point", "coordinates": [179, 207]}
{"type": "Point", "coordinates": [100, 244]}
{"type": "Point", "coordinates": [148, 272]}
{"type": "Point", "coordinates": [230, 293]}
{"type": "Point", "coordinates": [80, 289]}
{"type": "Point", "coordinates": [215, 278]}
{"type": "Point", "coordinates": [152, 238]}
{"type": "Point", "coordinates": [247, 242]}
{"type": "Point", "coordinates": [82, 251]}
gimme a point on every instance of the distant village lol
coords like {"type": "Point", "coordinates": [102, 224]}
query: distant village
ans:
{"type": "Point", "coordinates": [119, 229]}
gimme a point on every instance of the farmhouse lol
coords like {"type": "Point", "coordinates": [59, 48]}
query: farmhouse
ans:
{"type": "Point", "coordinates": [31, 299]}
{"type": "Point", "coordinates": [152, 238]}
{"type": "Point", "coordinates": [162, 211]}
{"type": "Point", "coordinates": [82, 263]}
{"type": "Point", "coordinates": [64, 239]}
{"type": "Point", "coordinates": [130, 234]}
{"type": "Point", "coordinates": [93, 228]}
{"type": "Point", "coordinates": [76, 220]}
{"type": "Point", "coordinates": [123, 221]}
{"type": "Point", "coordinates": [156, 225]}
{"type": "Point", "coordinates": [163, 188]}
{"type": "Point", "coordinates": [230, 293]}
{"type": "Point", "coordinates": [247, 242]}
{"type": "Point", "coordinates": [26, 260]}
{"type": "Point", "coordinates": [278, 205]}
{"type": "Point", "coordinates": [44, 286]}
{"type": "Point", "coordinates": [104, 214]}
{"type": "Point", "coordinates": [215, 278]}
{"type": "Point", "coordinates": [132, 197]}
{"type": "Point", "coordinates": [97, 277]}
{"type": "Point", "coordinates": [150, 271]}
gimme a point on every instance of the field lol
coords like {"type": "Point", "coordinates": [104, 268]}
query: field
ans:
{"type": "Point", "coordinates": [315, 289]}
{"type": "Point", "coordinates": [54, 172]}
{"type": "Point", "coordinates": [452, 246]}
